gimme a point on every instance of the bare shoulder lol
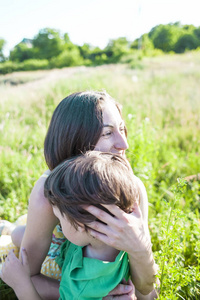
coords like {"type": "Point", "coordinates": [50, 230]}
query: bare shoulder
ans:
{"type": "Point", "coordinates": [40, 208]}
{"type": "Point", "coordinates": [37, 197]}
{"type": "Point", "coordinates": [41, 219]}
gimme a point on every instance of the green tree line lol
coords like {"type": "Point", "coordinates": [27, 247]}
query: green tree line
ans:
{"type": "Point", "coordinates": [49, 49]}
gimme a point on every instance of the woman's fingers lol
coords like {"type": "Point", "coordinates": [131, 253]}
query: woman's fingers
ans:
{"type": "Point", "coordinates": [101, 237]}
{"type": "Point", "coordinates": [101, 215]}
{"type": "Point", "coordinates": [99, 227]}
{"type": "Point", "coordinates": [11, 256]}
{"type": "Point", "coordinates": [120, 230]}
{"type": "Point", "coordinates": [115, 210]}
{"type": "Point", "coordinates": [118, 213]}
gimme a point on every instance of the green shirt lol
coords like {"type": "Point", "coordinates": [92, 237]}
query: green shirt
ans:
{"type": "Point", "coordinates": [88, 278]}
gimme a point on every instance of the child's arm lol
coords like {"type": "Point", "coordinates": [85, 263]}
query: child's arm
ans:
{"type": "Point", "coordinates": [17, 275]}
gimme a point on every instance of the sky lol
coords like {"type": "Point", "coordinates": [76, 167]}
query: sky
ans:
{"type": "Point", "coordinates": [91, 21]}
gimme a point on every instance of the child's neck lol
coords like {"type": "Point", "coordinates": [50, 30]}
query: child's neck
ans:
{"type": "Point", "coordinates": [101, 251]}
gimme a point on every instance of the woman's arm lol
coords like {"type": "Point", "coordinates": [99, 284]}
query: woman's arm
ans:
{"type": "Point", "coordinates": [37, 238]}
{"type": "Point", "coordinates": [40, 224]}
{"type": "Point", "coordinates": [142, 264]}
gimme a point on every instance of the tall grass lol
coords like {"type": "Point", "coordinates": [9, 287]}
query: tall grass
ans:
{"type": "Point", "coordinates": [162, 112]}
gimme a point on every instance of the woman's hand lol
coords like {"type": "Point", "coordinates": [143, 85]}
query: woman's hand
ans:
{"type": "Point", "coordinates": [14, 272]}
{"type": "Point", "coordinates": [127, 232]}
{"type": "Point", "coordinates": [122, 231]}
{"type": "Point", "coordinates": [17, 275]}
{"type": "Point", "coordinates": [124, 291]}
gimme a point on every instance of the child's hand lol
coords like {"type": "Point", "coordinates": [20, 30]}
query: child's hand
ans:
{"type": "Point", "coordinates": [14, 272]}
{"type": "Point", "coordinates": [124, 291]}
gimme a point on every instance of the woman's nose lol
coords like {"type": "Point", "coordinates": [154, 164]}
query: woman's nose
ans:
{"type": "Point", "coordinates": [121, 142]}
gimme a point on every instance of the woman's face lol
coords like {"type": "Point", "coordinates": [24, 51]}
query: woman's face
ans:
{"type": "Point", "coordinates": [113, 138]}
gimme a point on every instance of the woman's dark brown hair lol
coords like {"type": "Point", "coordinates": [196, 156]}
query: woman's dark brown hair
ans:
{"type": "Point", "coordinates": [93, 178]}
{"type": "Point", "coordinates": [75, 127]}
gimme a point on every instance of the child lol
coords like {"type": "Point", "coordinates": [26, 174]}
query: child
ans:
{"type": "Point", "coordinates": [90, 268]}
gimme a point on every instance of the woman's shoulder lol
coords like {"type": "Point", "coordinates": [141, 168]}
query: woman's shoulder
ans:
{"type": "Point", "coordinates": [46, 174]}
{"type": "Point", "coordinates": [41, 210]}
{"type": "Point", "coordinates": [37, 194]}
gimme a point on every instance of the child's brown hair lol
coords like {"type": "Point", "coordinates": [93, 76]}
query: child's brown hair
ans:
{"type": "Point", "coordinates": [93, 178]}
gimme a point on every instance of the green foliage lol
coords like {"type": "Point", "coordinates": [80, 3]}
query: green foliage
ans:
{"type": "Point", "coordinates": [179, 278]}
{"type": "Point", "coordinates": [35, 64]}
{"type": "Point", "coordinates": [48, 43]}
{"type": "Point", "coordinates": [197, 32]}
{"type": "Point", "coordinates": [161, 110]}
{"type": "Point", "coordinates": [164, 37]}
{"type": "Point", "coordinates": [67, 58]}
{"type": "Point", "coordinates": [22, 52]}
{"type": "Point", "coordinates": [188, 41]}
{"type": "Point", "coordinates": [2, 44]}
{"type": "Point", "coordinates": [175, 37]}
{"type": "Point", "coordinates": [93, 55]}
{"type": "Point", "coordinates": [60, 52]}
{"type": "Point", "coordinates": [6, 292]}
{"type": "Point", "coordinates": [8, 67]}
{"type": "Point", "coordinates": [27, 65]}
{"type": "Point", "coordinates": [174, 211]}
{"type": "Point", "coordinates": [144, 43]}
{"type": "Point", "coordinates": [116, 49]}
{"type": "Point", "coordinates": [86, 51]}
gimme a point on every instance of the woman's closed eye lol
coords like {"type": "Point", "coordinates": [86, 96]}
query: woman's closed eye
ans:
{"type": "Point", "coordinates": [107, 133]}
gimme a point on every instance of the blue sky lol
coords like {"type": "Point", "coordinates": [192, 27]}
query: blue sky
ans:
{"type": "Point", "coordinates": [91, 21]}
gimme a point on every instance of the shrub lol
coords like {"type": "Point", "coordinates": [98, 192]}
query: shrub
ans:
{"type": "Point", "coordinates": [67, 59]}
{"type": "Point", "coordinates": [187, 41]}
{"type": "Point", "coordinates": [8, 67]}
{"type": "Point", "coordinates": [35, 64]}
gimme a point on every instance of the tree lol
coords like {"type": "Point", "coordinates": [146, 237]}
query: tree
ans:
{"type": "Point", "coordinates": [197, 33]}
{"type": "Point", "coordinates": [146, 43]}
{"type": "Point", "coordinates": [2, 44]}
{"type": "Point", "coordinates": [48, 43]}
{"type": "Point", "coordinates": [67, 59]}
{"type": "Point", "coordinates": [22, 52]}
{"type": "Point", "coordinates": [116, 49]}
{"type": "Point", "coordinates": [85, 50]}
{"type": "Point", "coordinates": [164, 37]}
{"type": "Point", "coordinates": [187, 41]}
{"type": "Point", "coordinates": [189, 28]}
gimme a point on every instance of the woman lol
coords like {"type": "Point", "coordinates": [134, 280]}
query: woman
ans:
{"type": "Point", "coordinates": [81, 122]}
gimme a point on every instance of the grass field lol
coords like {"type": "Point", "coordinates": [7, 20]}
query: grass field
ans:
{"type": "Point", "coordinates": [161, 107]}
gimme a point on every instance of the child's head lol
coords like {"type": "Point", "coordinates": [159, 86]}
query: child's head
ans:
{"type": "Point", "coordinates": [93, 178]}
{"type": "Point", "coordinates": [76, 126]}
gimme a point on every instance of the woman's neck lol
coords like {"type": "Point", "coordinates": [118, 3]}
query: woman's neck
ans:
{"type": "Point", "coordinates": [101, 251]}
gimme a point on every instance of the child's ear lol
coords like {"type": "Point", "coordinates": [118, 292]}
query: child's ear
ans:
{"type": "Point", "coordinates": [81, 228]}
